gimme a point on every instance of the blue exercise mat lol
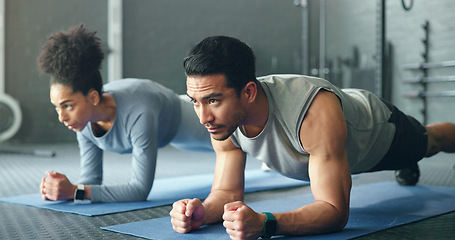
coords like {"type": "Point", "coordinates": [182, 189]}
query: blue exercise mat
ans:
{"type": "Point", "coordinates": [164, 191]}
{"type": "Point", "coordinates": [374, 207]}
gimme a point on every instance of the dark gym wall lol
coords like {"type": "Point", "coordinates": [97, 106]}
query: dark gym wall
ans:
{"type": "Point", "coordinates": [156, 36]}
{"type": "Point", "coordinates": [352, 24]}
{"type": "Point", "coordinates": [406, 33]}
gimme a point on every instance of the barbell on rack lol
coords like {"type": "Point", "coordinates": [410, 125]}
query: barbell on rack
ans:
{"type": "Point", "coordinates": [422, 94]}
{"type": "Point", "coordinates": [426, 65]}
{"type": "Point", "coordinates": [437, 79]}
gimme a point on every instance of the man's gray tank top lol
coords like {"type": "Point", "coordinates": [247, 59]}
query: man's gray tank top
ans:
{"type": "Point", "coordinates": [289, 97]}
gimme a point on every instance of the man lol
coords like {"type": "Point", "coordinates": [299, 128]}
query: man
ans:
{"type": "Point", "coordinates": [301, 127]}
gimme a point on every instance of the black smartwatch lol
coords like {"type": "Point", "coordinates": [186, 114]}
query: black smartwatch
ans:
{"type": "Point", "coordinates": [269, 226]}
{"type": "Point", "coordinates": [79, 194]}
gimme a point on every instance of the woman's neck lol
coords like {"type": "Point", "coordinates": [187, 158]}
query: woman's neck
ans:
{"type": "Point", "coordinates": [106, 112]}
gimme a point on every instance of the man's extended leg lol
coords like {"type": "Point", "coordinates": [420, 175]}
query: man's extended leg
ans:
{"type": "Point", "coordinates": [408, 176]}
{"type": "Point", "coordinates": [441, 137]}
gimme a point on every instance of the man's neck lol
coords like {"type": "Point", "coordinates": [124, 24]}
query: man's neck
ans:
{"type": "Point", "coordinates": [258, 113]}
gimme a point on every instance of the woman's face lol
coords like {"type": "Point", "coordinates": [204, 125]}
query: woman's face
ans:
{"type": "Point", "coordinates": [74, 109]}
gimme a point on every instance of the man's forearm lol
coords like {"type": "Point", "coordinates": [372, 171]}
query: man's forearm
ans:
{"type": "Point", "coordinates": [315, 218]}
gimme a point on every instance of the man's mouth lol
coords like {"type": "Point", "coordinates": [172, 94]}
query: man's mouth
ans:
{"type": "Point", "coordinates": [213, 129]}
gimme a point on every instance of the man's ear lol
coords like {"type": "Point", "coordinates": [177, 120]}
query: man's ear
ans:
{"type": "Point", "coordinates": [250, 91]}
{"type": "Point", "coordinates": [93, 97]}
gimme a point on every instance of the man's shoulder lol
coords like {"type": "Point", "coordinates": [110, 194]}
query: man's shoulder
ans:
{"type": "Point", "coordinates": [287, 77]}
{"type": "Point", "coordinates": [274, 78]}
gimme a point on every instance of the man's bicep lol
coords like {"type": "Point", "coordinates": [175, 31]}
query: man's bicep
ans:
{"type": "Point", "coordinates": [323, 135]}
{"type": "Point", "coordinates": [323, 129]}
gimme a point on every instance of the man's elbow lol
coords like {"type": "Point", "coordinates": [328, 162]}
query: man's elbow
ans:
{"type": "Point", "coordinates": [336, 219]}
{"type": "Point", "coordinates": [340, 221]}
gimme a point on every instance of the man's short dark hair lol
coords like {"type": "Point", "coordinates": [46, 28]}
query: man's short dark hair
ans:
{"type": "Point", "coordinates": [222, 55]}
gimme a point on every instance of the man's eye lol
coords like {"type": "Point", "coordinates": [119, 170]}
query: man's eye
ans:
{"type": "Point", "coordinates": [213, 101]}
{"type": "Point", "coordinates": [69, 107]}
{"type": "Point", "coordinates": [195, 103]}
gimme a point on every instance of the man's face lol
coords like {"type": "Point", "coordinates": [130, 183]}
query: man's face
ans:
{"type": "Point", "coordinates": [218, 107]}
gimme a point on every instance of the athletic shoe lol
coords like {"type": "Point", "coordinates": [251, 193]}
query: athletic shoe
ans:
{"type": "Point", "coordinates": [408, 176]}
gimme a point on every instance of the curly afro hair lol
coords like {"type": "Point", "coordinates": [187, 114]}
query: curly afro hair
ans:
{"type": "Point", "coordinates": [73, 58]}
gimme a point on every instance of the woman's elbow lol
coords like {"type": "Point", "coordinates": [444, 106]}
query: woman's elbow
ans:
{"type": "Point", "coordinates": [138, 193]}
{"type": "Point", "coordinates": [142, 195]}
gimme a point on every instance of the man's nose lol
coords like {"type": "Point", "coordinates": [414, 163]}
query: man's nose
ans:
{"type": "Point", "coordinates": [205, 115]}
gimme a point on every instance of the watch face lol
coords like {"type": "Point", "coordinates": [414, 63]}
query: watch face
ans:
{"type": "Point", "coordinates": [270, 227]}
{"type": "Point", "coordinates": [80, 194]}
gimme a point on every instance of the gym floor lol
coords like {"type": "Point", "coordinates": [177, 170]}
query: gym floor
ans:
{"type": "Point", "coordinates": [21, 173]}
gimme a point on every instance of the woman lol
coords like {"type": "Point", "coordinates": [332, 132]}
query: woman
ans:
{"type": "Point", "coordinates": [126, 116]}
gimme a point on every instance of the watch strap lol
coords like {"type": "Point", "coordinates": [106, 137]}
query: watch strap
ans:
{"type": "Point", "coordinates": [269, 228]}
